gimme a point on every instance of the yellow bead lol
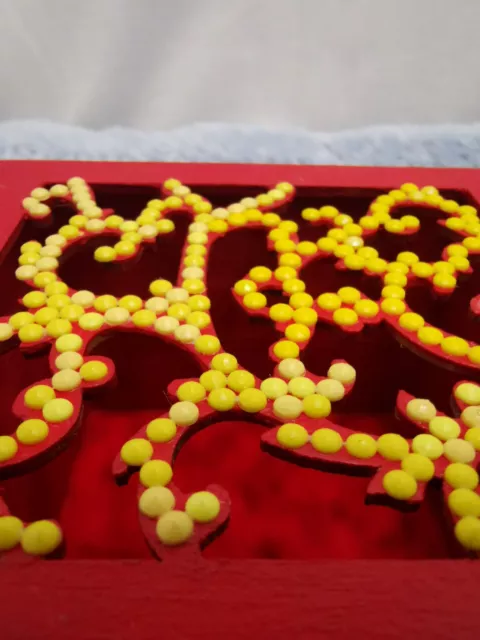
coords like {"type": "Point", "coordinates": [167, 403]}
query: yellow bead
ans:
{"type": "Point", "coordinates": [66, 380]}
{"type": "Point", "coordinates": [444, 428]}
{"type": "Point", "coordinates": [8, 448]}
{"type": "Point", "coordinates": [472, 244]}
{"type": "Point", "coordinates": [131, 303]}
{"type": "Point", "coordinates": [366, 308]}
{"type": "Point", "coordinates": [457, 450]}
{"type": "Point", "coordinates": [41, 538]}
{"type": "Point", "coordinates": [297, 332]}
{"type": "Point", "coordinates": [420, 410]}
{"type": "Point", "coordinates": [45, 315]}
{"type": "Point", "coordinates": [287, 407]}
{"type": "Point", "coordinates": [329, 301]}
{"type": "Point", "coordinates": [410, 222]}
{"type": "Point", "coordinates": [213, 380]}
{"type": "Point", "coordinates": [202, 506]}
{"type": "Point", "coordinates": [286, 349]}
{"type": "Point", "coordinates": [328, 212]}
{"type": "Point", "coordinates": [361, 445]}
{"type": "Point", "coordinates": [468, 392]}
{"type": "Point", "coordinates": [260, 274]}
{"type": "Point", "coordinates": [392, 446]}
{"type": "Point", "coordinates": [69, 232]}
{"type": "Point", "coordinates": [28, 259]}
{"type": "Point", "coordinates": [6, 332]}
{"type": "Point", "coordinates": [191, 391]}
{"type": "Point", "coordinates": [444, 281]}
{"type": "Point", "coordinates": [464, 502]}
{"type": "Point", "coordinates": [32, 431]}
{"type": "Point", "coordinates": [44, 278]}
{"type": "Point", "coordinates": [113, 222]}
{"type": "Point", "coordinates": [30, 247]}
{"type": "Point", "coordinates": [156, 501]}
{"type": "Point", "coordinates": [293, 285]}
{"type": "Point", "coordinates": [105, 254]}
{"type": "Point", "coordinates": [93, 370]}
{"type": "Point", "coordinates": [144, 318]}
{"type": "Point", "coordinates": [376, 265]}
{"type": "Point", "coordinates": [392, 291]}
{"type": "Point", "coordinates": [274, 388]}
{"type": "Point", "coordinates": [240, 380]}
{"type": "Point", "coordinates": [305, 316]}
{"type": "Point", "coordinates": [327, 245]}
{"type": "Point", "coordinates": [317, 406]}
{"type": "Point", "coordinates": [394, 226]}
{"type": "Point", "coordinates": [467, 532]}
{"type": "Point", "coordinates": [103, 303]}
{"type": "Point", "coordinates": [354, 263]}
{"type": "Point", "coordinates": [69, 360]}
{"type": "Point", "coordinates": [281, 312]}
{"type": "Point", "coordinates": [244, 287]}
{"type": "Point", "coordinates": [473, 435]}
{"type": "Point", "coordinates": [207, 345]}
{"type": "Point", "coordinates": [252, 400]}
{"type": "Point", "coordinates": [284, 273]}
{"type": "Point", "coordinates": [301, 387]}
{"type": "Point", "coordinates": [345, 317]}
{"type": "Point", "coordinates": [160, 287]}
{"type": "Point", "coordinates": [174, 528]}
{"type": "Point", "coordinates": [255, 301]}
{"type": "Point", "coordinates": [59, 327]}
{"type": "Point", "coordinates": [83, 298]}
{"type": "Point", "coordinates": [222, 399]}
{"type": "Point", "coordinates": [71, 312]}
{"type": "Point", "coordinates": [179, 311]}
{"type": "Point", "coordinates": [31, 333]}
{"type": "Point", "coordinates": [161, 430]}
{"type": "Point", "coordinates": [300, 300]}
{"type": "Point", "coordinates": [125, 248]}
{"type": "Point", "coordinates": [407, 257]}
{"type": "Point", "coordinates": [165, 226]}
{"type": "Point", "coordinates": [430, 335]}
{"type": "Point", "coordinates": [69, 342]}
{"type": "Point", "coordinates": [199, 303]}
{"type": "Point", "coordinates": [409, 188]}
{"type": "Point", "coordinates": [343, 372]}
{"type": "Point", "coordinates": [91, 321]}
{"type": "Point", "coordinates": [36, 397]}
{"type": "Point", "coordinates": [57, 410]}
{"type": "Point", "coordinates": [291, 368]}
{"type": "Point", "coordinates": [155, 473]}
{"type": "Point", "coordinates": [224, 362]}
{"type": "Point", "coordinates": [399, 485]}
{"type": "Point", "coordinates": [398, 268]}
{"type": "Point", "coordinates": [184, 413]}
{"type": "Point", "coordinates": [349, 295]}
{"type": "Point", "coordinates": [443, 267]}
{"type": "Point", "coordinates": [419, 467]}
{"type": "Point", "coordinates": [427, 445]}
{"type": "Point", "coordinates": [307, 248]}
{"type": "Point", "coordinates": [34, 299]}
{"type": "Point", "coordinates": [292, 436]}
{"type": "Point", "coordinates": [326, 441]}
{"type": "Point", "coordinates": [459, 263]}
{"type": "Point", "coordinates": [11, 530]}
{"type": "Point", "coordinates": [461, 476]}
{"type": "Point", "coordinates": [331, 389]}
{"type": "Point", "coordinates": [474, 354]}
{"type": "Point", "coordinates": [136, 452]}
{"type": "Point", "coordinates": [411, 321]}
{"type": "Point", "coordinates": [368, 223]}
{"type": "Point", "coordinates": [393, 306]}
{"type": "Point", "coordinates": [193, 285]}
{"type": "Point", "coordinates": [343, 250]}
{"type": "Point", "coordinates": [395, 278]}
{"type": "Point", "coordinates": [20, 319]}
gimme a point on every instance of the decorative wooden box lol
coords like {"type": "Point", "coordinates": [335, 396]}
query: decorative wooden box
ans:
{"type": "Point", "coordinates": [322, 322]}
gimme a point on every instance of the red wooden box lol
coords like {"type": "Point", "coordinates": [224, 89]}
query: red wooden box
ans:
{"type": "Point", "coordinates": [267, 576]}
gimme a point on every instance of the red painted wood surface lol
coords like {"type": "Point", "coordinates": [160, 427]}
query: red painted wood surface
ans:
{"type": "Point", "coordinates": [321, 598]}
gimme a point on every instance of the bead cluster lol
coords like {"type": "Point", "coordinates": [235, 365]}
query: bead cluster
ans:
{"type": "Point", "coordinates": [296, 402]}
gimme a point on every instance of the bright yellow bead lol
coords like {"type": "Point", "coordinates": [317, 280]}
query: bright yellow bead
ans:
{"type": "Point", "coordinates": [395, 278]}
{"type": "Point", "coordinates": [280, 312]}
{"type": "Point", "coordinates": [343, 250]}
{"type": "Point", "coordinates": [369, 223]}
{"type": "Point", "coordinates": [199, 319]}
{"type": "Point", "coordinates": [69, 360]}
{"type": "Point", "coordinates": [66, 380]}
{"type": "Point", "coordinates": [411, 321]}
{"type": "Point", "coordinates": [71, 312]}
{"type": "Point", "coordinates": [199, 303]}
{"type": "Point", "coordinates": [300, 299]}
{"type": "Point", "coordinates": [240, 379]}
{"type": "Point", "coordinates": [191, 391]}
{"type": "Point", "coordinates": [160, 287]}
{"type": "Point", "coordinates": [57, 410]}
{"type": "Point", "coordinates": [464, 502]}
{"type": "Point", "coordinates": [274, 388]}
{"type": "Point", "coordinates": [461, 476]}
{"type": "Point", "coordinates": [184, 413]}
{"type": "Point", "coordinates": [30, 247]}
{"type": "Point", "coordinates": [41, 538]}
{"type": "Point", "coordinates": [161, 430]}
{"type": "Point", "coordinates": [297, 332]}
{"type": "Point", "coordinates": [32, 431]}
{"type": "Point", "coordinates": [260, 274]}
{"type": "Point", "coordinates": [102, 303]}
{"type": "Point", "coordinates": [252, 400]}
{"type": "Point", "coordinates": [467, 532]}
{"type": "Point", "coordinates": [20, 319]}
{"type": "Point", "coordinates": [454, 346]}
{"type": "Point", "coordinates": [34, 299]}
{"type": "Point", "coordinates": [394, 226]}
{"type": "Point", "coordinates": [222, 399]}
{"type": "Point", "coordinates": [131, 237]}
{"type": "Point", "coordinates": [287, 407]}
{"type": "Point", "coordinates": [345, 317]}
{"type": "Point", "coordinates": [244, 287]}
{"type": "Point", "coordinates": [156, 501]}
{"type": "Point", "coordinates": [255, 301]}
{"type": "Point", "coordinates": [91, 321]}
{"type": "Point", "coordinates": [83, 298]}
{"type": "Point", "coordinates": [444, 428]}
{"type": "Point", "coordinates": [419, 467]}
{"type": "Point", "coordinates": [213, 380]}
{"type": "Point", "coordinates": [392, 446]}
{"type": "Point", "coordinates": [136, 452]}
{"type": "Point", "coordinates": [376, 265]}
{"type": "Point", "coordinates": [69, 232]}
{"type": "Point", "coordinates": [410, 222]}
{"type": "Point", "coordinates": [349, 295]}
{"type": "Point", "coordinates": [292, 436]}
{"type": "Point", "coordinates": [430, 335]}
{"type": "Point", "coordinates": [305, 316]}
{"type": "Point", "coordinates": [202, 506]}
{"type": "Point", "coordinates": [354, 262]}
{"type": "Point", "coordinates": [165, 226]}
{"type": "Point", "coordinates": [155, 473]}
{"type": "Point", "coordinates": [327, 245]}
{"type": "Point", "coordinates": [290, 260]}
{"type": "Point", "coordinates": [207, 345]}
{"type": "Point", "coordinates": [31, 333]}
{"type": "Point", "coordinates": [131, 303]}
{"type": "Point", "coordinates": [28, 259]}
{"type": "Point", "coordinates": [458, 450]}
{"type": "Point", "coordinates": [6, 332]}
{"type": "Point", "coordinates": [293, 285]}
{"type": "Point", "coordinates": [11, 530]}
{"type": "Point", "coordinates": [472, 244]}
{"type": "Point", "coordinates": [407, 257]}
{"type": "Point", "coordinates": [343, 372]}
{"type": "Point", "coordinates": [317, 406]}
{"type": "Point", "coordinates": [366, 308]}
{"type": "Point", "coordinates": [284, 273]}
{"type": "Point", "coordinates": [393, 306]}
{"type": "Point", "coordinates": [420, 410]}
{"type": "Point", "coordinates": [443, 267]}
{"type": "Point", "coordinates": [331, 389]}
{"type": "Point", "coordinates": [286, 349]}
{"type": "Point", "coordinates": [174, 528]}
{"type": "Point", "coordinates": [399, 485]}
{"type": "Point", "coordinates": [301, 387]}
{"type": "Point", "coordinates": [113, 222]}
{"type": "Point", "coordinates": [473, 435]}
{"type": "Point", "coordinates": [361, 445]}
{"type": "Point", "coordinates": [428, 446]}
{"type": "Point", "coordinates": [328, 212]}
{"type": "Point", "coordinates": [329, 301]}
{"type": "Point", "coordinates": [144, 318]}
{"type": "Point", "coordinates": [8, 448]}
{"type": "Point", "coordinates": [125, 248]}
{"type": "Point", "coordinates": [459, 263]}
{"type": "Point", "coordinates": [37, 396]}
{"type": "Point", "coordinates": [43, 278]}
{"type": "Point", "coordinates": [326, 441]}
{"type": "Point", "coordinates": [307, 248]}
{"type": "Point", "coordinates": [179, 311]}
{"type": "Point", "coordinates": [93, 370]}
{"type": "Point", "coordinates": [468, 392]}
{"type": "Point", "coordinates": [45, 315]}
{"type": "Point", "coordinates": [422, 269]}
{"type": "Point", "coordinates": [68, 342]}
{"type": "Point", "coordinates": [392, 291]}
{"type": "Point", "coordinates": [105, 254]}
{"type": "Point", "coordinates": [474, 354]}
{"type": "Point", "coordinates": [193, 285]}
{"type": "Point", "coordinates": [444, 281]}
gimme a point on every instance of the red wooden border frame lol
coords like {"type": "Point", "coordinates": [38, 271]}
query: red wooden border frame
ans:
{"type": "Point", "coordinates": [232, 599]}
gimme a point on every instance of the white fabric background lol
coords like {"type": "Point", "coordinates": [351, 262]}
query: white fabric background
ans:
{"type": "Point", "coordinates": [319, 64]}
